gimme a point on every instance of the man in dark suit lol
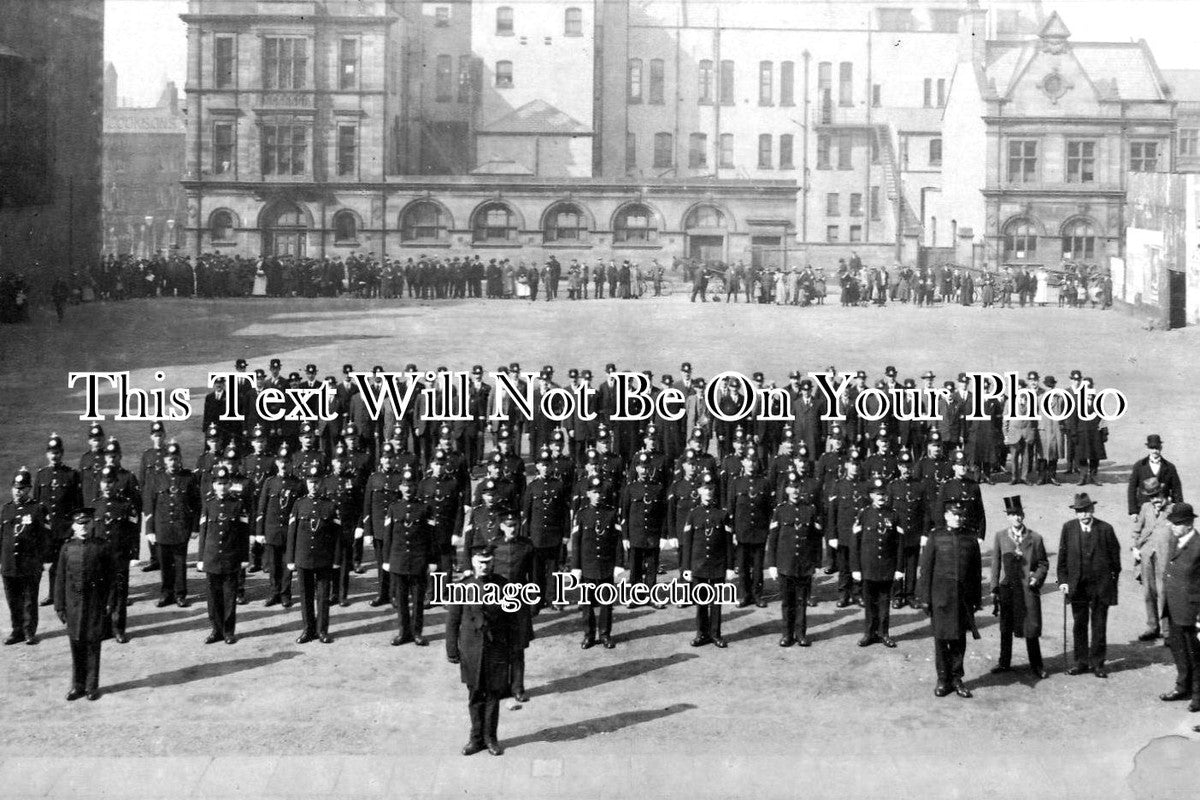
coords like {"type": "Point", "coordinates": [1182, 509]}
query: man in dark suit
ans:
{"type": "Point", "coordinates": [86, 565]}
{"type": "Point", "coordinates": [1089, 561]}
{"type": "Point", "coordinates": [1181, 601]}
{"type": "Point", "coordinates": [948, 587]}
{"type": "Point", "coordinates": [479, 639]}
{"type": "Point", "coordinates": [1153, 466]}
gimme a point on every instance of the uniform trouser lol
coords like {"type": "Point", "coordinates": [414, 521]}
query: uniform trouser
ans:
{"type": "Point", "coordinates": [708, 616]}
{"type": "Point", "coordinates": [172, 559]}
{"type": "Point", "coordinates": [545, 564]}
{"type": "Point", "coordinates": [588, 612]}
{"type": "Point", "coordinates": [948, 656]}
{"type": "Point", "coordinates": [1033, 645]}
{"type": "Point", "coordinates": [341, 580]}
{"type": "Point", "coordinates": [385, 585]}
{"type": "Point", "coordinates": [643, 565]}
{"type": "Point", "coordinates": [845, 580]}
{"type": "Point", "coordinates": [85, 666]}
{"type": "Point", "coordinates": [1150, 586]}
{"type": "Point", "coordinates": [445, 562]}
{"type": "Point", "coordinates": [1096, 613]}
{"type": "Point", "coordinates": [484, 707]}
{"type": "Point", "coordinates": [1186, 651]}
{"type": "Point", "coordinates": [470, 445]}
{"type": "Point", "coordinates": [222, 603]}
{"type": "Point", "coordinates": [275, 565]}
{"type": "Point", "coordinates": [314, 599]}
{"type": "Point", "coordinates": [516, 671]}
{"type": "Point", "coordinates": [750, 569]}
{"type": "Point", "coordinates": [794, 591]}
{"type": "Point", "coordinates": [118, 596]}
{"type": "Point", "coordinates": [412, 617]}
{"type": "Point", "coordinates": [356, 551]}
{"type": "Point", "coordinates": [907, 588]}
{"type": "Point", "coordinates": [55, 548]}
{"type": "Point", "coordinates": [256, 555]}
{"type": "Point", "coordinates": [21, 593]}
{"type": "Point", "coordinates": [876, 603]}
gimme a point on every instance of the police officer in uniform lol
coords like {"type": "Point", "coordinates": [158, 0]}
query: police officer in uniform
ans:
{"type": "Point", "coordinates": [275, 502]}
{"type": "Point", "coordinates": [442, 494]}
{"type": "Point", "coordinates": [24, 537]}
{"type": "Point", "coordinates": [706, 553]}
{"type": "Point", "coordinates": [314, 552]}
{"type": "Point", "coordinates": [965, 490]}
{"type": "Point", "coordinates": [793, 554]}
{"type": "Point", "coordinates": [86, 564]}
{"type": "Point", "coordinates": [948, 585]}
{"type": "Point", "coordinates": [117, 520]}
{"type": "Point", "coordinates": [342, 486]}
{"type": "Point", "coordinates": [258, 467]}
{"type": "Point", "coordinates": [908, 499]}
{"type": "Point", "coordinates": [482, 521]}
{"type": "Point", "coordinates": [172, 516]}
{"type": "Point", "coordinates": [848, 496]}
{"type": "Point", "coordinates": [546, 517]}
{"type": "Point", "coordinates": [57, 488]}
{"type": "Point", "coordinates": [644, 512]}
{"type": "Point", "coordinates": [149, 468]}
{"type": "Point", "coordinates": [876, 550]}
{"type": "Point", "coordinates": [382, 489]}
{"type": "Point", "coordinates": [90, 464]}
{"type": "Point", "coordinates": [410, 555]}
{"type": "Point", "coordinates": [224, 550]}
{"type": "Point", "coordinates": [597, 557]}
{"type": "Point", "coordinates": [750, 504]}
{"type": "Point", "coordinates": [514, 562]}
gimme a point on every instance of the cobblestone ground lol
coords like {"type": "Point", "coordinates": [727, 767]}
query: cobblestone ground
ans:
{"type": "Point", "coordinates": [653, 717]}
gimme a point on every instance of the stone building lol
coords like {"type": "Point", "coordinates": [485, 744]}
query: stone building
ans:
{"type": "Point", "coordinates": [51, 99]}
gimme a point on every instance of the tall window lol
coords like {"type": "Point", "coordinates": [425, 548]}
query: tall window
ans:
{"type": "Point", "coordinates": [824, 145]}
{"type": "Point", "coordinates": [845, 151]}
{"type": "Point", "coordinates": [630, 150]}
{"type": "Point", "coordinates": [444, 83]}
{"type": "Point", "coordinates": [929, 92]}
{"type": "Point", "coordinates": [634, 224]}
{"type": "Point", "coordinates": [876, 95]}
{"type": "Point", "coordinates": [1079, 241]}
{"type": "Point", "coordinates": [766, 75]}
{"type": "Point", "coordinates": [663, 150]}
{"type": "Point", "coordinates": [726, 83]}
{"type": "Point", "coordinates": [856, 233]}
{"type": "Point", "coordinates": [1189, 141]}
{"type": "Point", "coordinates": [825, 91]}
{"type": "Point", "coordinates": [1081, 162]}
{"type": "Point", "coordinates": [727, 150]}
{"type": "Point", "coordinates": [220, 226]}
{"type": "Point", "coordinates": [698, 151]}
{"type": "Point", "coordinates": [941, 92]}
{"type": "Point", "coordinates": [284, 149]}
{"type": "Point", "coordinates": [1022, 161]}
{"type": "Point", "coordinates": [1020, 240]}
{"type": "Point", "coordinates": [935, 152]}
{"type": "Point", "coordinates": [565, 223]}
{"type": "Point", "coordinates": [856, 206]}
{"type": "Point", "coordinates": [833, 204]}
{"type": "Point", "coordinates": [348, 64]}
{"type": "Point", "coordinates": [657, 79]}
{"type": "Point", "coordinates": [347, 150]}
{"type": "Point", "coordinates": [846, 84]}
{"type": "Point", "coordinates": [635, 80]}
{"type": "Point", "coordinates": [1143, 156]}
{"type": "Point", "coordinates": [466, 79]}
{"type": "Point", "coordinates": [875, 203]}
{"type": "Point", "coordinates": [345, 227]}
{"type": "Point", "coordinates": [573, 22]}
{"type": "Point", "coordinates": [504, 75]}
{"type": "Point", "coordinates": [704, 88]}
{"type": "Point", "coordinates": [441, 17]}
{"type": "Point", "coordinates": [422, 221]}
{"type": "Point", "coordinates": [504, 21]}
{"type": "Point", "coordinates": [785, 152]}
{"type": "Point", "coordinates": [223, 61]}
{"type": "Point", "coordinates": [787, 84]}
{"type": "Point", "coordinates": [222, 161]}
{"type": "Point", "coordinates": [831, 233]}
{"type": "Point", "coordinates": [285, 63]}
{"type": "Point", "coordinates": [764, 151]}
{"type": "Point", "coordinates": [495, 222]}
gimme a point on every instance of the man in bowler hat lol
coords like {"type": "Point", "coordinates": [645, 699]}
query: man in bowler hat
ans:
{"type": "Point", "coordinates": [1089, 561]}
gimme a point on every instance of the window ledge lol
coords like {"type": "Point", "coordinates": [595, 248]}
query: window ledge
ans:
{"type": "Point", "coordinates": [425, 243]}
{"type": "Point", "coordinates": [636, 246]}
{"type": "Point", "coordinates": [497, 245]}
{"type": "Point", "coordinates": [567, 245]}
{"type": "Point", "coordinates": [223, 244]}
{"type": "Point", "coordinates": [346, 243]}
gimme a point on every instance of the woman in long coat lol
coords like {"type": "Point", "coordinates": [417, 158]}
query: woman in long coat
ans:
{"type": "Point", "coordinates": [1018, 572]}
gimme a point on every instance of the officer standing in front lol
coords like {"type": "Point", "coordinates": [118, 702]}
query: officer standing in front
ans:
{"type": "Point", "coordinates": [948, 585]}
{"type": "Point", "coordinates": [313, 552]}
{"type": "Point", "coordinates": [24, 537]}
{"type": "Point", "coordinates": [172, 515]}
{"type": "Point", "coordinates": [706, 556]}
{"type": "Point", "coordinates": [1089, 563]}
{"type": "Point", "coordinates": [223, 552]}
{"type": "Point", "coordinates": [86, 565]}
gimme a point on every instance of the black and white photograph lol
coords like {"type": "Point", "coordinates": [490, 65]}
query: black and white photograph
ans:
{"type": "Point", "coordinates": [599, 398]}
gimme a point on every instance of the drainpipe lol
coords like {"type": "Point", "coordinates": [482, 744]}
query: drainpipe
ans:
{"type": "Point", "coordinates": [804, 173]}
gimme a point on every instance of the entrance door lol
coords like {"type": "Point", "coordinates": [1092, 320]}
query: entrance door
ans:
{"type": "Point", "coordinates": [1178, 296]}
{"type": "Point", "coordinates": [284, 232]}
{"type": "Point", "coordinates": [706, 248]}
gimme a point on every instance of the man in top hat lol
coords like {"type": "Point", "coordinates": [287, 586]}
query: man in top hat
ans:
{"type": "Point", "coordinates": [58, 490]}
{"type": "Point", "coordinates": [224, 550]}
{"type": "Point", "coordinates": [479, 638]}
{"type": "Point", "coordinates": [24, 537]}
{"type": "Point", "coordinates": [86, 564]}
{"type": "Point", "coordinates": [1019, 568]}
{"type": "Point", "coordinates": [1089, 562]}
{"type": "Point", "coordinates": [1151, 541]}
{"type": "Point", "coordinates": [1181, 605]}
{"type": "Point", "coordinates": [948, 587]}
{"type": "Point", "coordinates": [1153, 465]}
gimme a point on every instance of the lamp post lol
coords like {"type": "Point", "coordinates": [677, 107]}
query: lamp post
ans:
{"type": "Point", "coordinates": [171, 245]}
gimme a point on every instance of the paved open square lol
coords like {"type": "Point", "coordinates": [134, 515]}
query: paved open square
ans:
{"type": "Point", "coordinates": [654, 716]}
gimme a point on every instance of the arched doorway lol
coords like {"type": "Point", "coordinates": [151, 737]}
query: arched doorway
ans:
{"type": "Point", "coordinates": [284, 230]}
{"type": "Point", "coordinates": [705, 228]}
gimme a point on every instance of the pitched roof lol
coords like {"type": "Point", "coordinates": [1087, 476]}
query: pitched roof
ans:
{"type": "Point", "coordinates": [1184, 83]}
{"type": "Point", "coordinates": [1119, 70]}
{"type": "Point", "coordinates": [536, 116]}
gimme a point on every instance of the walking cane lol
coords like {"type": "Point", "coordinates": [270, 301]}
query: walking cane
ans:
{"type": "Point", "coordinates": [1064, 639]}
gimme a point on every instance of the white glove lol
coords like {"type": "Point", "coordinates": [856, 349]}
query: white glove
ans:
{"type": "Point", "coordinates": [773, 572]}
{"type": "Point", "coordinates": [151, 538]}
{"type": "Point", "coordinates": [730, 575]}
{"type": "Point", "coordinates": [358, 532]}
{"type": "Point", "coordinates": [617, 574]}
{"type": "Point", "coordinates": [833, 543]}
{"type": "Point", "coordinates": [924, 539]}
{"type": "Point", "coordinates": [291, 567]}
{"type": "Point", "coordinates": [578, 573]}
{"type": "Point", "coordinates": [260, 540]}
{"type": "Point", "coordinates": [368, 541]}
{"type": "Point", "coordinates": [387, 567]}
{"type": "Point", "coordinates": [898, 576]}
{"type": "Point", "coordinates": [456, 541]}
{"type": "Point", "coordinates": [245, 564]}
{"type": "Point", "coordinates": [200, 566]}
{"type": "Point", "coordinates": [686, 575]}
{"type": "Point", "coordinates": [1062, 587]}
{"type": "Point", "coordinates": [856, 575]}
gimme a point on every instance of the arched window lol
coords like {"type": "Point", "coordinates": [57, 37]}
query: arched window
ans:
{"type": "Point", "coordinates": [1020, 240]}
{"type": "Point", "coordinates": [495, 222]}
{"type": "Point", "coordinates": [705, 217]}
{"type": "Point", "coordinates": [423, 221]}
{"type": "Point", "coordinates": [635, 223]}
{"type": "Point", "coordinates": [1079, 240]}
{"type": "Point", "coordinates": [221, 226]}
{"type": "Point", "coordinates": [345, 227]}
{"type": "Point", "coordinates": [566, 223]}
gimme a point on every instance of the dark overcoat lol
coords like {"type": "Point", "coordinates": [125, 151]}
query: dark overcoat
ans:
{"type": "Point", "coordinates": [948, 581]}
{"type": "Point", "coordinates": [481, 637]}
{"type": "Point", "coordinates": [86, 569]}
{"type": "Point", "coordinates": [1013, 569]}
